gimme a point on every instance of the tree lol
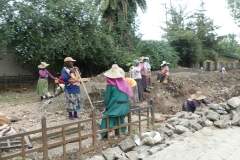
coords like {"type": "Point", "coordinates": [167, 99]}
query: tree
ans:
{"type": "Point", "coordinates": [193, 37]}
{"type": "Point", "coordinates": [183, 40]}
{"type": "Point", "coordinates": [233, 6]}
{"type": "Point", "coordinates": [50, 30]}
{"type": "Point", "coordinates": [119, 18]}
{"type": "Point", "coordinates": [229, 44]}
{"type": "Point", "coordinates": [159, 51]}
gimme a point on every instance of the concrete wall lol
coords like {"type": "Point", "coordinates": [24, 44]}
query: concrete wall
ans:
{"type": "Point", "coordinates": [9, 67]}
{"type": "Point", "coordinates": [222, 61]}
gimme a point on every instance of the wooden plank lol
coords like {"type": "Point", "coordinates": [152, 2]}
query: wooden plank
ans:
{"type": "Point", "coordinates": [86, 79]}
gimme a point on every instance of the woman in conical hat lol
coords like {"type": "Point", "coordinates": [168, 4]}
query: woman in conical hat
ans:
{"type": "Point", "coordinates": [194, 102]}
{"type": "Point", "coordinates": [42, 84]}
{"type": "Point", "coordinates": [116, 99]}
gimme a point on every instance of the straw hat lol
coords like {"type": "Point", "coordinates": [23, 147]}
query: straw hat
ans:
{"type": "Point", "coordinates": [69, 59]}
{"type": "Point", "coordinates": [142, 58]}
{"type": "Point", "coordinates": [115, 72]}
{"type": "Point", "coordinates": [43, 65]}
{"type": "Point", "coordinates": [164, 62]}
{"type": "Point", "coordinates": [198, 96]}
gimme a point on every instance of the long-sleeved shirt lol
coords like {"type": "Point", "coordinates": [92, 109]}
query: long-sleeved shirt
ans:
{"type": "Point", "coordinates": [43, 73]}
{"type": "Point", "coordinates": [143, 69]}
{"type": "Point", "coordinates": [69, 86]}
{"type": "Point", "coordinates": [136, 72]}
{"type": "Point", "coordinates": [147, 64]}
{"type": "Point", "coordinates": [190, 105]}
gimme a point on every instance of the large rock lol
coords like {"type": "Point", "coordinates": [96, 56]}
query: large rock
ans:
{"type": "Point", "coordinates": [208, 123]}
{"type": "Point", "coordinates": [173, 119]}
{"type": "Point", "coordinates": [157, 148]}
{"type": "Point", "coordinates": [234, 114]}
{"type": "Point", "coordinates": [221, 111]}
{"type": "Point", "coordinates": [121, 156]}
{"type": "Point", "coordinates": [180, 114]}
{"type": "Point", "coordinates": [201, 120]}
{"type": "Point", "coordinates": [109, 153]}
{"type": "Point", "coordinates": [215, 107]}
{"type": "Point", "coordinates": [170, 126]}
{"type": "Point", "coordinates": [143, 155]}
{"type": "Point", "coordinates": [180, 129]}
{"type": "Point", "coordinates": [132, 155]}
{"type": "Point", "coordinates": [184, 122]}
{"type": "Point", "coordinates": [213, 116]}
{"type": "Point", "coordinates": [225, 106]}
{"type": "Point", "coordinates": [234, 102]}
{"type": "Point", "coordinates": [221, 124]}
{"type": "Point", "coordinates": [143, 148]}
{"type": "Point", "coordinates": [236, 122]}
{"type": "Point", "coordinates": [193, 124]}
{"type": "Point", "coordinates": [226, 117]}
{"type": "Point", "coordinates": [169, 132]}
{"type": "Point", "coordinates": [127, 144]}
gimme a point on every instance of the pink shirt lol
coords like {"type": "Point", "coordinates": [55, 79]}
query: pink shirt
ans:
{"type": "Point", "coordinates": [143, 69]}
{"type": "Point", "coordinates": [43, 73]}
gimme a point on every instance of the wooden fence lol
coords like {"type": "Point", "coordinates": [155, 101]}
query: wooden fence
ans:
{"type": "Point", "coordinates": [64, 141]}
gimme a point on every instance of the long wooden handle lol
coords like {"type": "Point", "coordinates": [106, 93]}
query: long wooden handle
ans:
{"type": "Point", "coordinates": [85, 89]}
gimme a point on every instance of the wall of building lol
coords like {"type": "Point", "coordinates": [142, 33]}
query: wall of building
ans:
{"type": "Point", "coordinates": [223, 61]}
{"type": "Point", "coordinates": [9, 67]}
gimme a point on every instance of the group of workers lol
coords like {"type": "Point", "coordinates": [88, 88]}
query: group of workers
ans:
{"type": "Point", "coordinates": [119, 89]}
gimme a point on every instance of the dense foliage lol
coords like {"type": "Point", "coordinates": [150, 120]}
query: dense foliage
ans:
{"type": "Point", "coordinates": [98, 33]}
{"type": "Point", "coordinates": [50, 30]}
{"type": "Point", "coordinates": [159, 51]}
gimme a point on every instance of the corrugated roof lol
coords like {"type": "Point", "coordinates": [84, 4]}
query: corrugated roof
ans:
{"type": "Point", "coordinates": [230, 55]}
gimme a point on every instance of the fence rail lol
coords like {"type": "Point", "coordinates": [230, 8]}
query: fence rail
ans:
{"type": "Point", "coordinates": [63, 142]}
{"type": "Point", "coordinates": [20, 79]}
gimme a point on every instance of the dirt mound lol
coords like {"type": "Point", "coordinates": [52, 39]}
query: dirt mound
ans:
{"type": "Point", "coordinates": [169, 98]}
{"type": "Point", "coordinates": [184, 81]}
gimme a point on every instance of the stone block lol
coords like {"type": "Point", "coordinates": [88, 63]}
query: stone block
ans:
{"type": "Point", "coordinates": [234, 102]}
{"type": "Point", "coordinates": [221, 124]}
{"type": "Point", "coordinates": [127, 144]}
{"type": "Point", "coordinates": [109, 153]}
{"type": "Point", "coordinates": [213, 116]}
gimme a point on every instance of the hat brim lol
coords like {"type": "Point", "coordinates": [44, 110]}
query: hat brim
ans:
{"type": "Point", "coordinates": [198, 97]}
{"type": "Point", "coordinates": [43, 66]}
{"type": "Point", "coordinates": [113, 75]}
{"type": "Point", "coordinates": [164, 63]}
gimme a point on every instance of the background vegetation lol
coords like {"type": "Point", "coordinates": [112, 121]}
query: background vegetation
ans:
{"type": "Point", "coordinates": [98, 33]}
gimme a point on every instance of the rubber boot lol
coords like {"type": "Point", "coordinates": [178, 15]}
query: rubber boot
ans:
{"type": "Point", "coordinates": [70, 115]}
{"type": "Point", "coordinates": [75, 115]}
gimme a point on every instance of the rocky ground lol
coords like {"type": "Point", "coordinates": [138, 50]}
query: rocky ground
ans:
{"type": "Point", "coordinates": [168, 99]}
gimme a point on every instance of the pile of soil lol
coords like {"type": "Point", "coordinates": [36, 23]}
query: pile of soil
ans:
{"type": "Point", "coordinates": [168, 99]}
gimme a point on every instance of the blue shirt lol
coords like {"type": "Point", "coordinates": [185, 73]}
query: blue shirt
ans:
{"type": "Point", "coordinates": [69, 87]}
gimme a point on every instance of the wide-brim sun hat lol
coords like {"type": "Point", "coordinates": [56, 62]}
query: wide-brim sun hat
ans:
{"type": "Point", "coordinates": [115, 72]}
{"type": "Point", "coordinates": [198, 96]}
{"type": "Point", "coordinates": [69, 59]}
{"type": "Point", "coordinates": [164, 62]}
{"type": "Point", "coordinates": [43, 65]}
{"type": "Point", "coordinates": [142, 58]}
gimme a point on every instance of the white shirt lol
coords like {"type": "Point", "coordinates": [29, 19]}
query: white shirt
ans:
{"type": "Point", "coordinates": [135, 72]}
